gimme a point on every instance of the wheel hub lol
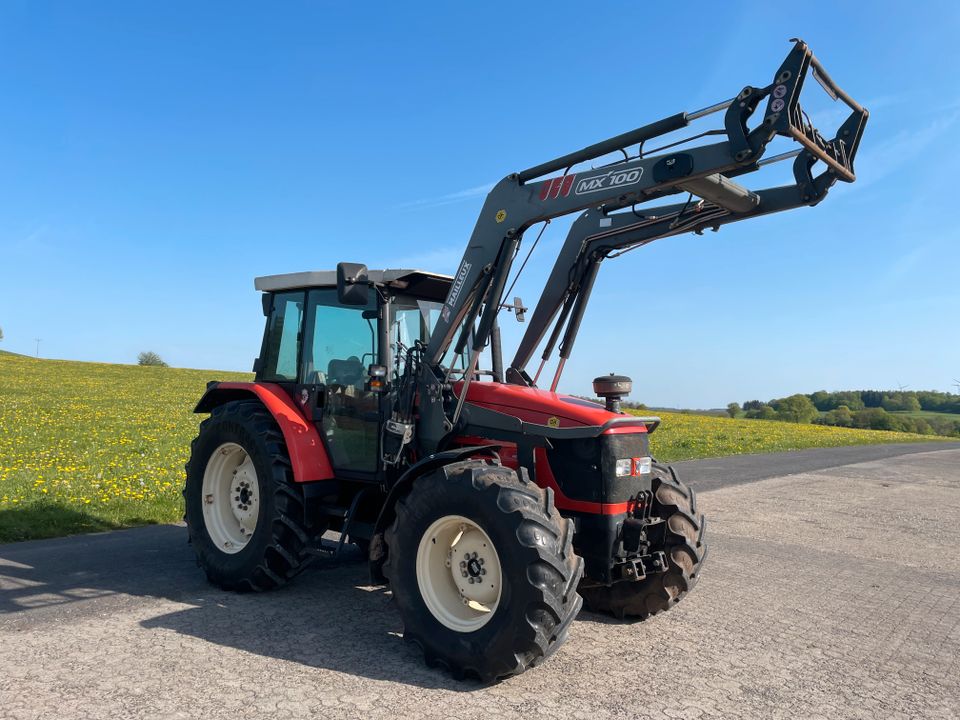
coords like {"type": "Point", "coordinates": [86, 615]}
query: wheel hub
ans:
{"type": "Point", "coordinates": [243, 493]}
{"type": "Point", "coordinates": [458, 572]}
{"type": "Point", "coordinates": [231, 498]}
{"type": "Point", "coordinates": [472, 547]}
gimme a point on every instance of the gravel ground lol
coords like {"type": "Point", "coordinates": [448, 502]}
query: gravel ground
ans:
{"type": "Point", "coordinates": [830, 593]}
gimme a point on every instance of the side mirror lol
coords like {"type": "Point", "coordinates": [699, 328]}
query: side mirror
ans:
{"type": "Point", "coordinates": [353, 286]}
{"type": "Point", "coordinates": [518, 309]}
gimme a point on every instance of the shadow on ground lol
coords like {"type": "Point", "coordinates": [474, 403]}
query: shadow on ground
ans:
{"type": "Point", "coordinates": [329, 617]}
{"type": "Point", "coordinates": [49, 519]}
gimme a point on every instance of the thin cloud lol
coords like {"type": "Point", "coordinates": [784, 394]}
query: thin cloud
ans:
{"type": "Point", "coordinates": [878, 161]}
{"type": "Point", "coordinates": [448, 199]}
{"type": "Point", "coordinates": [440, 259]}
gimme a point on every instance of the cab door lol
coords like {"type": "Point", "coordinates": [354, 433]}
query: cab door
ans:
{"type": "Point", "coordinates": [340, 342]}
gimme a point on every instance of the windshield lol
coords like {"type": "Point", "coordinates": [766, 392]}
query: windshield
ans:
{"type": "Point", "coordinates": [414, 320]}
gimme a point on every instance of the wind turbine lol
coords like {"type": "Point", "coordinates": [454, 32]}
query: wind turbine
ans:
{"type": "Point", "coordinates": [957, 383]}
{"type": "Point", "coordinates": [902, 387]}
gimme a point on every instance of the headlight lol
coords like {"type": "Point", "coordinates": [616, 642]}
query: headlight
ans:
{"type": "Point", "coordinates": [633, 466]}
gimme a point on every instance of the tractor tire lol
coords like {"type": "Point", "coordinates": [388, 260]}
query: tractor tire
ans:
{"type": "Point", "coordinates": [244, 513]}
{"type": "Point", "coordinates": [683, 545]}
{"type": "Point", "coordinates": [482, 568]}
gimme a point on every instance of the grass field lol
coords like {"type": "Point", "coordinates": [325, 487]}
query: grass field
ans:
{"type": "Point", "coordinates": [927, 414]}
{"type": "Point", "coordinates": [685, 436]}
{"type": "Point", "coordinates": [88, 446]}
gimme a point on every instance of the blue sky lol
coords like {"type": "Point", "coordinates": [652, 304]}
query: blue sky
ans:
{"type": "Point", "coordinates": [155, 157]}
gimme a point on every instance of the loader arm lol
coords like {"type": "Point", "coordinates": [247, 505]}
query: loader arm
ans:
{"type": "Point", "coordinates": [597, 234]}
{"type": "Point", "coordinates": [521, 200]}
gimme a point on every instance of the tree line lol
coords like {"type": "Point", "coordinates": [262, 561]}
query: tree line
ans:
{"type": "Point", "coordinates": [866, 409]}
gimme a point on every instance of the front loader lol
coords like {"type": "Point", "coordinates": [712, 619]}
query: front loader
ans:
{"type": "Point", "coordinates": [491, 506]}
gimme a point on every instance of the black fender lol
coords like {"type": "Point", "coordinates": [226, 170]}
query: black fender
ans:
{"type": "Point", "coordinates": [215, 395]}
{"type": "Point", "coordinates": [378, 549]}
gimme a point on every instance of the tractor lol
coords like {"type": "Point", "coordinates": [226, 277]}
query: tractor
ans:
{"type": "Point", "coordinates": [494, 507]}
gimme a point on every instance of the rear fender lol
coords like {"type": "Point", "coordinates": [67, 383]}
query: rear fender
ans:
{"type": "Point", "coordinates": [308, 456]}
{"type": "Point", "coordinates": [378, 549]}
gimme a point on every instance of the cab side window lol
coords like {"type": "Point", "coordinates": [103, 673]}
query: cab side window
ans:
{"type": "Point", "coordinates": [283, 339]}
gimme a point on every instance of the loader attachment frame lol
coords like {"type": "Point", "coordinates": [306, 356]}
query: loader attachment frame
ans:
{"type": "Point", "coordinates": [597, 235]}
{"type": "Point", "coordinates": [520, 200]}
{"type": "Point", "coordinates": [706, 170]}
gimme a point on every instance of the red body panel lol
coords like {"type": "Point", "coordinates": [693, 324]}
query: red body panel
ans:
{"type": "Point", "coordinates": [537, 406]}
{"type": "Point", "coordinates": [308, 456]}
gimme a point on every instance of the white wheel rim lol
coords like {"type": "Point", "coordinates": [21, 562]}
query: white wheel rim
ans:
{"type": "Point", "coordinates": [459, 574]}
{"type": "Point", "coordinates": [231, 498]}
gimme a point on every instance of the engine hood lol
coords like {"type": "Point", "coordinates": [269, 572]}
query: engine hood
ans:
{"type": "Point", "coordinates": [540, 407]}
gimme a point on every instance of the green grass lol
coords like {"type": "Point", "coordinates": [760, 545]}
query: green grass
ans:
{"type": "Point", "coordinates": [684, 436]}
{"type": "Point", "coordinates": [86, 447]}
{"type": "Point", "coordinates": [926, 414]}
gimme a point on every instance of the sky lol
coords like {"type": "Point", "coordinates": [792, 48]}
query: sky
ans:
{"type": "Point", "coordinates": [156, 157]}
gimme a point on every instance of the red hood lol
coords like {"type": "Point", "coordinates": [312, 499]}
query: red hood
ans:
{"type": "Point", "coordinates": [536, 406]}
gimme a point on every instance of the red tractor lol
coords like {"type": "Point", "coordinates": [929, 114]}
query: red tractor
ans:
{"type": "Point", "coordinates": [493, 507]}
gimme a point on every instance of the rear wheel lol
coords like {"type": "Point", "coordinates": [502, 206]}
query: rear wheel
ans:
{"type": "Point", "coordinates": [483, 570]}
{"type": "Point", "coordinates": [683, 544]}
{"type": "Point", "coordinates": [244, 513]}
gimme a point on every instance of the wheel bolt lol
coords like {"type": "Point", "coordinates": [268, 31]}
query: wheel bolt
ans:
{"type": "Point", "coordinates": [481, 561]}
{"type": "Point", "coordinates": [463, 572]}
{"type": "Point", "coordinates": [466, 556]}
{"type": "Point", "coordinates": [470, 580]}
{"type": "Point", "coordinates": [483, 571]}
{"type": "Point", "coordinates": [463, 566]}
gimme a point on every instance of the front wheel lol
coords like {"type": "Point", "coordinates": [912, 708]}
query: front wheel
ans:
{"type": "Point", "coordinates": [483, 570]}
{"type": "Point", "coordinates": [682, 543]}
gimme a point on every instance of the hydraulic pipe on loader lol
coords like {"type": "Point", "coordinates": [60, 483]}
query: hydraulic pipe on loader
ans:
{"type": "Point", "coordinates": [521, 200]}
{"type": "Point", "coordinates": [516, 202]}
{"type": "Point", "coordinates": [596, 236]}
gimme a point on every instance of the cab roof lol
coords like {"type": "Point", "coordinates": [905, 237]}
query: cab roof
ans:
{"type": "Point", "coordinates": [419, 283]}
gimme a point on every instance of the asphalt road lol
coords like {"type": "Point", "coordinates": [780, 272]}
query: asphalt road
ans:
{"type": "Point", "coordinates": [833, 592]}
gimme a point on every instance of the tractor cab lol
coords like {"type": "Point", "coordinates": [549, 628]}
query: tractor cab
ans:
{"type": "Point", "coordinates": [335, 339]}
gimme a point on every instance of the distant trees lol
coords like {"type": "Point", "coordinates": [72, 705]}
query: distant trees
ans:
{"type": "Point", "coordinates": [840, 416]}
{"type": "Point", "coordinates": [902, 401]}
{"type": "Point", "coordinates": [796, 408]}
{"type": "Point", "coordinates": [896, 410]}
{"type": "Point", "coordinates": [733, 409]}
{"type": "Point", "coordinates": [150, 358]}
{"type": "Point", "coordinates": [760, 411]}
{"type": "Point", "coordinates": [889, 400]}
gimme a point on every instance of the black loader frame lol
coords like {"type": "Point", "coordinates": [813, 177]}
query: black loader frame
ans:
{"type": "Point", "coordinates": [521, 200]}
